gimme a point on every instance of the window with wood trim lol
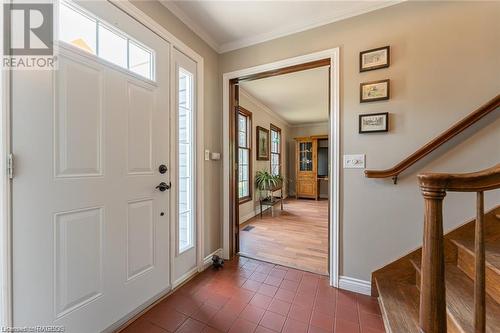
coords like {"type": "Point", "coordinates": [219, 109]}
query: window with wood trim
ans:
{"type": "Point", "coordinates": [275, 150]}
{"type": "Point", "coordinates": [244, 155]}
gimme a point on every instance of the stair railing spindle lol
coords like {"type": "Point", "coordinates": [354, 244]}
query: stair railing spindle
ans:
{"type": "Point", "coordinates": [480, 270]}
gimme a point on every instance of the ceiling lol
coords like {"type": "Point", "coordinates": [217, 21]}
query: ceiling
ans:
{"type": "Point", "coordinates": [299, 98]}
{"type": "Point", "coordinates": [230, 25]}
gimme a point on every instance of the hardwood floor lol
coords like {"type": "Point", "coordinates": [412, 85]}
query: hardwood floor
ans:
{"type": "Point", "coordinates": [295, 237]}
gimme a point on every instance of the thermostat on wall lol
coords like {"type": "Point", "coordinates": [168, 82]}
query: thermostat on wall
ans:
{"type": "Point", "coordinates": [215, 156]}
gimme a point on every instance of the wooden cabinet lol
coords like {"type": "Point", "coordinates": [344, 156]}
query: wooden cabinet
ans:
{"type": "Point", "coordinates": [306, 165]}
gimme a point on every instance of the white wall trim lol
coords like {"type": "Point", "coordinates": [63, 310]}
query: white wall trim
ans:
{"type": "Point", "coordinates": [264, 107]}
{"type": "Point", "coordinates": [334, 190]}
{"type": "Point", "coordinates": [207, 261]}
{"type": "Point", "coordinates": [355, 285]}
{"type": "Point", "coordinates": [191, 24]}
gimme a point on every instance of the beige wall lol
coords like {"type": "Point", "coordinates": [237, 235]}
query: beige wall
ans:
{"type": "Point", "coordinates": [445, 61]}
{"type": "Point", "coordinates": [298, 131]}
{"type": "Point", "coordinates": [212, 119]}
{"type": "Point", "coordinates": [263, 117]}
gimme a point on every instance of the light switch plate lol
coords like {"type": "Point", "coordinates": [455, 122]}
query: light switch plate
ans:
{"type": "Point", "coordinates": [356, 161]}
{"type": "Point", "coordinates": [207, 155]}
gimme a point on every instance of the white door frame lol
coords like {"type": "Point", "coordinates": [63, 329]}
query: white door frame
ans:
{"type": "Point", "coordinates": [5, 150]}
{"type": "Point", "coordinates": [334, 134]}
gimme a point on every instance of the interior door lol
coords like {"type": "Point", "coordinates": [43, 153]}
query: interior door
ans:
{"type": "Point", "coordinates": [90, 228]}
{"type": "Point", "coordinates": [184, 232]}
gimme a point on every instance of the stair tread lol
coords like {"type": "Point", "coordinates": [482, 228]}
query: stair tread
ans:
{"type": "Point", "coordinates": [492, 251]}
{"type": "Point", "coordinates": [460, 300]}
{"type": "Point", "coordinates": [399, 304]}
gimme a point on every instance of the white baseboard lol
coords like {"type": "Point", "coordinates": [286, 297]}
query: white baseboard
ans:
{"type": "Point", "coordinates": [355, 285]}
{"type": "Point", "coordinates": [208, 259]}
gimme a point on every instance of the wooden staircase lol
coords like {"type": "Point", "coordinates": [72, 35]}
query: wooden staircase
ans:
{"type": "Point", "coordinates": [451, 284]}
{"type": "Point", "coordinates": [397, 284]}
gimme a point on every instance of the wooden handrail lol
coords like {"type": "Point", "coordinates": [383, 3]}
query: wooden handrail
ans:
{"type": "Point", "coordinates": [432, 285]}
{"type": "Point", "coordinates": [485, 180]}
{"type": "Point", "coordinates": [453, 131]}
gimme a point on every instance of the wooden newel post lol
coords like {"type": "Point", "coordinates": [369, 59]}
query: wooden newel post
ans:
{"type": "Point", "coordinates": [432, 288]}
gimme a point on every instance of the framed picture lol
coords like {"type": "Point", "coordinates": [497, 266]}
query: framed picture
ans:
{"type": "Point", "coordinates": [374, 91]}
{"type": "Point", "coordinates": [374, 59]}
{"type": "Point", "coordinates": [262, 144]}
{"type": "Point", "coordinates": [374, 122]}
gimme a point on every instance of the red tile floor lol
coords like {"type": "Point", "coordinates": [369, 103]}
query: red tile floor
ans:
{"type": "Point", "coordinates": [253, 296]}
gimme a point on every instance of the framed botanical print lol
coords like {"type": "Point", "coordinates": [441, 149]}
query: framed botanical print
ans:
{"type": "Point", "coordinates": [262, 144]}
{"type": "Point", "coordinates": [374, 122]}
{"type": "Point", "coordinates": [374, 91]}
{"type": "Point", "coordinates": [374, 59]}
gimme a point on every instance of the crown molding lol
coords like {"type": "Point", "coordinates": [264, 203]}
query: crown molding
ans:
{"type": "Point", "coordinates": [290, 30]}
{"type": "Point", "coordinates": [191, 24]}
{"type": "Point", "coordinates": [274, 34]}
{"type": "Point", "coordinates": [264, 107]}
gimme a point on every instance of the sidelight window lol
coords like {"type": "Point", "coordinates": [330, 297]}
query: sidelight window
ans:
{"type": "Point", "coordinates": [185, 135]}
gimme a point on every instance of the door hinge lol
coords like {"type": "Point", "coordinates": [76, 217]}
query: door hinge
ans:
{"type": "Point", "coordinates": [10, 166]}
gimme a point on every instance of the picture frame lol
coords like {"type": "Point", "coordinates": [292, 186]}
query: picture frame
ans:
{"type": "Point", "coordinates": [374, 122]}
{"type": "Point", "coordinates": [263, 144]}
{"type": "Point", "coordinates": [374, 91]}
{"type": "Point", "coordinates": [373, 59]}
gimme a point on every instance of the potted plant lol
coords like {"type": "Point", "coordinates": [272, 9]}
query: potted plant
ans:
{"type": "Point", "coordinates": [266, 183]}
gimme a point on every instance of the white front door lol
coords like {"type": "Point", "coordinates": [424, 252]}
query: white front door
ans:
{"type": "Point", "coordinates": [184, 214]}
{"type": "Point", "coordinates": [90, 229]}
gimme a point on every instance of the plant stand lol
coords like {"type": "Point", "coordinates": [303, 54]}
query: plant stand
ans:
{"type": "Point", "coordinates": [273, 200]}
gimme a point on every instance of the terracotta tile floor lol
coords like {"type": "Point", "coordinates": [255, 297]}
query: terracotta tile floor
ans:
{"type": "Point", "coordinates": [253, 296]}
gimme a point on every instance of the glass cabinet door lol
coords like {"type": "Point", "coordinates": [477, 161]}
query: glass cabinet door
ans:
{"type": "Point", "coordinates": [305, 156]}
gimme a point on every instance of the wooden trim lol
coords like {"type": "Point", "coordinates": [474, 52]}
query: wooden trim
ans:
{"type": "Point", "coordinates": [276, 129]}
{"type": "Point", "coordinates": [248, 114]}
{"type": "Point", "coordinates": [488, 179]}
{"type": "Point", "coordinates": [286, 70]}
{"type": "Point", "coordinates": [259, 128]}
{"type": "Point", "coordinates": [453, 131]}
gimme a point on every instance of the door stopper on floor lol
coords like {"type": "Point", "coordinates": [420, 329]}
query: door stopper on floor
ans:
{"type": "Point", "coordinates": [218, 262]}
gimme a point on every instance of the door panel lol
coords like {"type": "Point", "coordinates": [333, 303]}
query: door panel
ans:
{"type": "Point", "coordinates": [89, 243]}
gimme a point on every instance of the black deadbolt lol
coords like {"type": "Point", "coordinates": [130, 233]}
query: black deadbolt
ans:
{"type": "Point", "coordinates": [162, 213]}
{"type": "Point", "coordinates": [162, 168]}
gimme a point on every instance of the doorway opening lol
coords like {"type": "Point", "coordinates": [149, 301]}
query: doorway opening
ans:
{"type": "Point", "coordinates": [283, 130]}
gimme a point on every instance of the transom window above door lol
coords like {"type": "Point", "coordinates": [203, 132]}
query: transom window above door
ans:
{"type": "Point", "coordinates": [85, 31]}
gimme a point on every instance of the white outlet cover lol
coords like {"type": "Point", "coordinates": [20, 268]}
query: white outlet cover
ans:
{"type": "Point", "coordinates": [354, 161]}
{"type": "Point", "coordinates": [207, 155]}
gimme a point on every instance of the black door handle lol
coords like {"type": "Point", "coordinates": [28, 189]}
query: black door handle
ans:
{"type": "Point", "coordinates": [164, 186]}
